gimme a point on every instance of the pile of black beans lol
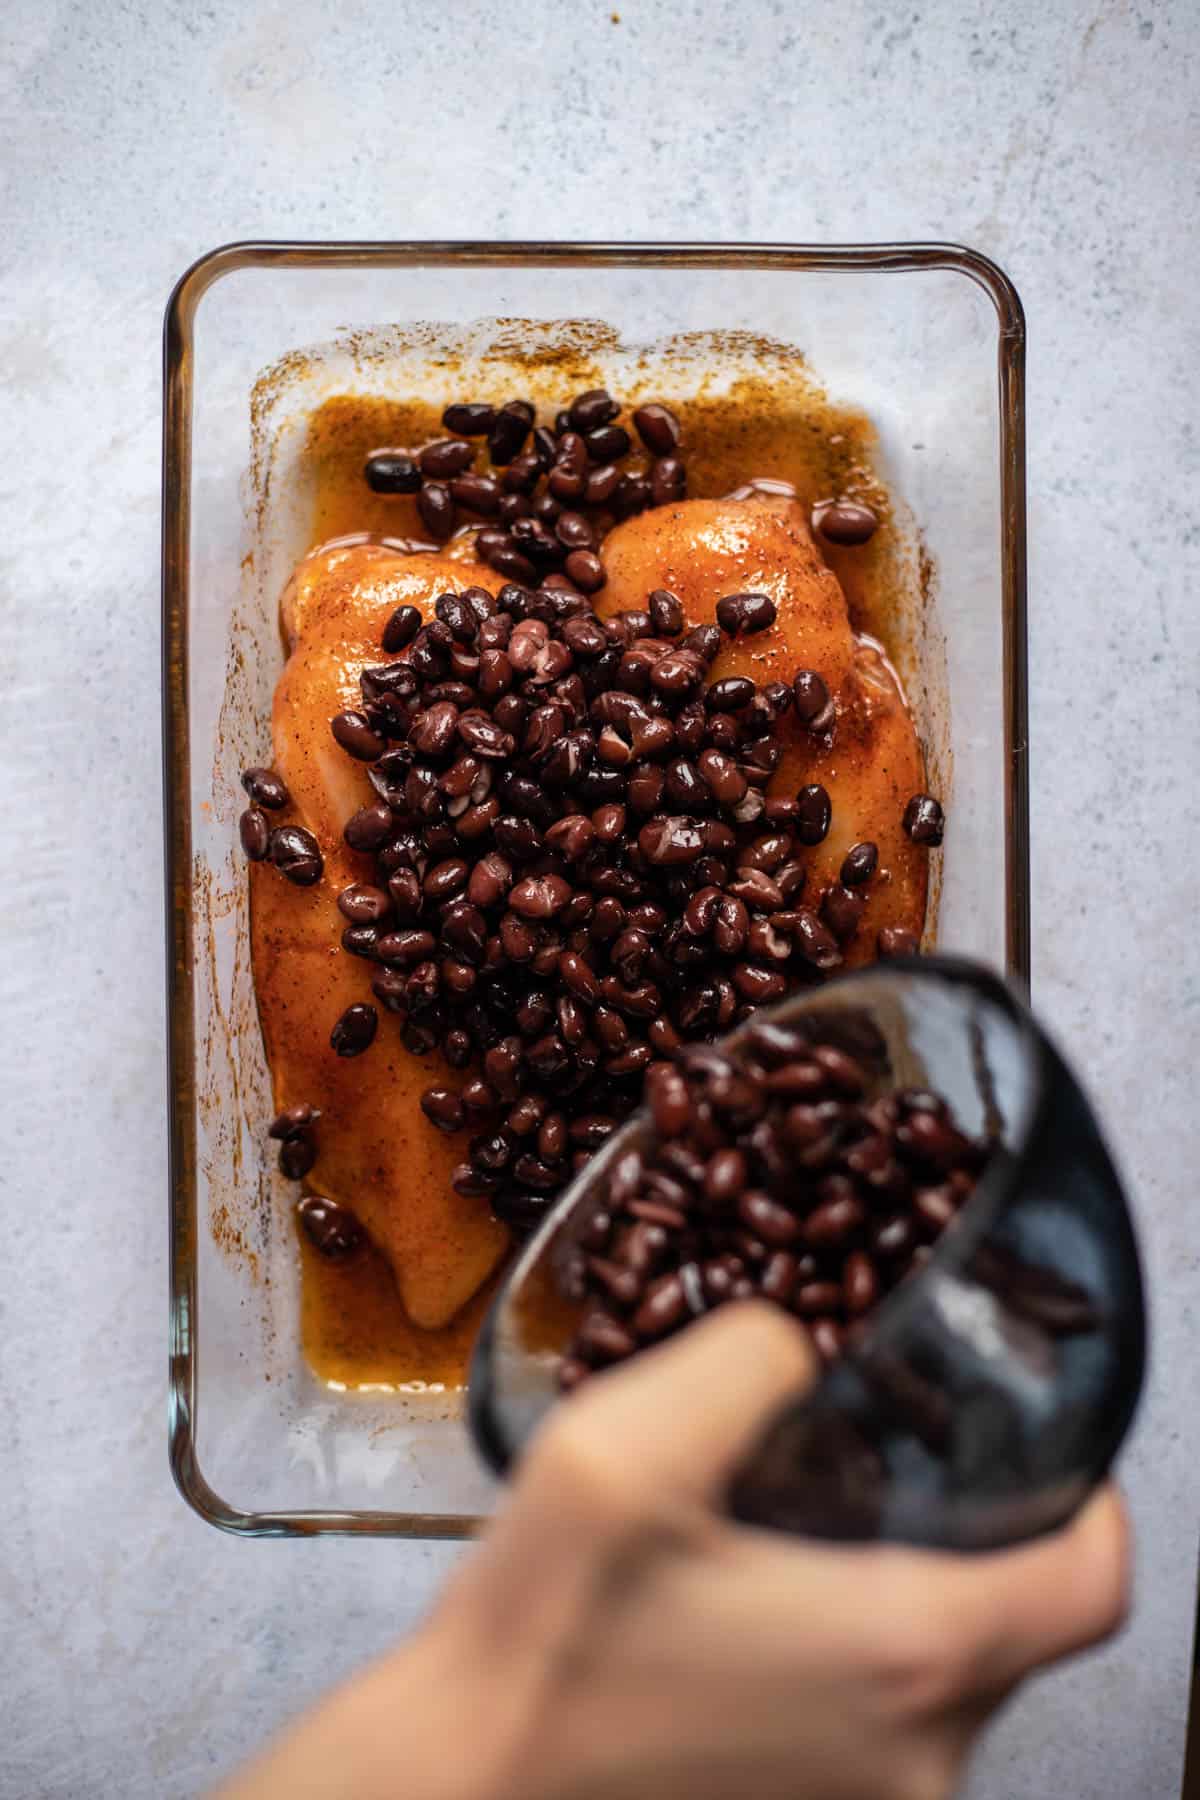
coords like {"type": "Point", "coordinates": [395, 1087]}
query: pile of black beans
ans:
{"type": "Point", "coordinates": [577, 869]}
{"type": "Point", "coordinates": [783, 1168]}
{"type": "Point", "coordinates": [542, 495]}
{"type": "Point", "coordinates": [292, 849]}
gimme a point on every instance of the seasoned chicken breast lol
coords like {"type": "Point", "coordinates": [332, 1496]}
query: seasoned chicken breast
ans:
{"type": "Point", "coordinates": [703, 550]}
{"type": "Point", "coordinates": [377, 1152]}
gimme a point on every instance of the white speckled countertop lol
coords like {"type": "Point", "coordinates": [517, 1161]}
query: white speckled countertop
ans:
{"type": "Point", "coordinates": [142, 1652]}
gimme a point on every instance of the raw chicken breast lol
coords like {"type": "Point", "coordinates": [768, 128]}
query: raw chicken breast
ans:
{"type": "Point", "coordinates": [377, 1152]}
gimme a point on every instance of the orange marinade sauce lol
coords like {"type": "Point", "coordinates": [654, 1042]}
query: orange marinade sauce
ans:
{"type": "Point", "coordinates": [354, 1330]}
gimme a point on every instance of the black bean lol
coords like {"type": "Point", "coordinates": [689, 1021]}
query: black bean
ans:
{"type": "Point", "coordinates": [510, 507]}
{"type": "Point", "coordinates": [500, 553]}
{"type": "Point", "coordinates": [446, 457]}
{"type": "Point", "coordinates": [828, 1337]}
{"type": "Point", "coordinates": [743, 614]}
{"type": "Point", "coordinates": [483, 737]}
{"type": "Point", "coordinates": [602, 1338]}
{"type": "Point", "coordinates": [458, 615]}
{"type": "Point", "coordinates": [859, 864]}
{"type": "Point", "coordinates": [676, 674]}
{"type": "Point", "coordinates": [575, 531]}
{"type": "Point", "coordinates": [254, 831]}
{"type": "Point", "coordinates": [509, 432]}
{"type": "Point", "coordinates": [539, 896]}
{"type": "Point", "coordinates": [566, 482]}
{"type": "Point", "coordinates": [667, 1095]}
{"type": "Point", "coordinates": [767, 1219]}
{"type": "Point", "coordinates": [725, 1176]}
{"type": "Point", "coordinates": [522, 475]}
{"type": "Point", "coordinates": [815, 814]}
{"type": "Point", "coordinates": [464, 928]}
{"type": "Point", "coordinates": [731, 926]}
{"type": "Point", "coordinates": [607, 443]}
{"type": "Point", "coordinates": [667, 840]}
{"type": "Point", "coordinates": [390, 988]}
{"type": "Point", "coordinates": [360, 940]}
{"type": "Point", "coordinates": [815, 943]}
{"type": "Point", "coordinates": [811, 695]}
{"type": "Point", "coordinates": [355, 1030]}
{"type": "Point", "coordinates": [924, 820]}
{"type": "Point", "coordinates": [445, 878]}
{"type": "Point", "coordinates": [578, 975]}
{"type": "Point", "coordinates": [668, 481]}
{"type": "Point", "coordinates": [392, 472]}
{"type": "Point", "coordinates": [777, 1276]}
{"type": "Point", "coordinates": [443, 1108]}
{"type": "Point", "coordinates": [331, 1229]}
{"type": "Point", "coordinates": [389, 678]}
{"type": "Point", "coordinates": [767, 852]}
{"type": "Point", "coordinates": [930, 1138]}
{"type": "Point", "coordinates": [473, 1184]}
{"type": "Point", "coordinates": [369, 827]}
{"type": "Point", "coordinates": [544, 446]}
{"type": "Point", "coordinates": [842, 910]}
{"type": "Point", "coordinates": [812, 1298]}
{"type": "Point", "coordinates": [479, 494]}
{"type": "Point", "coordinates": [705, 640]}
{"type": "Point", "coordinates": [729, 695]}
{"type": "Point", "coordinates": [406, 946]}
{"type": "Point", "coordinates": [860, 1282]}
{"type": "Point", "coordinates": [401, 629]}
{"type": "Point", "coordinates": [601, 484]}
{"type": "Point", "coordinates": [469, 418]}
{"type": "Point", "coordinates": [353, 732]}
{"type": "Point", "coordinates": [433, 731]}
{"type": "Point", "coordinates": [664, 1306]}
{"type": "Point", "coordinates": [700, 913]}
{"type": "Point", "coordinates": [658, 428]}
{"type": "Point", "coordinates": [755, 888]}
{"type": "Point", "coordinates": [630, 496]}
{"type": "Point", "coordinates": [266, 789]}
{"type": "Point", "coordinates": [666, 612]}
{"type": "Point", "coordinates": [758, 984]}
{"type": "Point", "coordinates": [585, 569]}
{"type": "Point", "coordinates": [295, 853]}
{"type": "Point", "coordinates": [593, 409]}
{"type": "Point", "coordinates": [437, 510]}
{"type": "Point", "coordinates": [293, 1121]}
{"type": "Point", "coordinates": [684, 789]}
{"type": "Point", "coordinates": [572, 836]}
{"type": "Point", "coordinates": [845, 522]}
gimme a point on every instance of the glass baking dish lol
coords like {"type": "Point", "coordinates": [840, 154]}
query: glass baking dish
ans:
{"type": "Point", "coordinates": [928, 340]}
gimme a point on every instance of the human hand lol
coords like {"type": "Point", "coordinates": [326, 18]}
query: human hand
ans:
{"type": "Point", "coordinates": [616, 1637]}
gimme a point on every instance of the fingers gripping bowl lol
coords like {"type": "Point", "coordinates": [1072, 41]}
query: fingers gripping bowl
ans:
{"type": "Point", "coordinates": [299, 1138]}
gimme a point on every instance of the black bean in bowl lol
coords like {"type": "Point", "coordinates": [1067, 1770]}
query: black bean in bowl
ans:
{"type": "Point", "coordinates": [787, 1167]}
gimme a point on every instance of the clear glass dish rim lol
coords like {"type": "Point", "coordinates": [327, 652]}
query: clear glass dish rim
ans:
{"type": "Point", "coordinates": [178, 393]}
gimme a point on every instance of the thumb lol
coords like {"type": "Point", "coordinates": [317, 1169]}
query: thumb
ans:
{"type": "Point", "coordinates": [1034, 1605]}
{"type": "Point", "coordinates": [681, 1416]}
